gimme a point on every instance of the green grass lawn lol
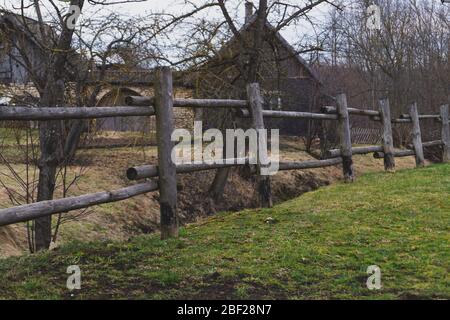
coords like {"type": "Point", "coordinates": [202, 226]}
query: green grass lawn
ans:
{"type": "Point", "coordinates": [316, 246]}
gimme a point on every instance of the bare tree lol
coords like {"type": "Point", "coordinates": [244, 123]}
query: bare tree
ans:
{"type": "Point", "coordinates": [251, 60]}
{"type": "Point", "coordinates": [59, 65]}
{"type": "Point", "coordinates": [405, 60]}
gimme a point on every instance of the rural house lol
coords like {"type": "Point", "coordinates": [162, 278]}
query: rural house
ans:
{"type": "Point", "coordinates": [24, 42]}
{"type": "Point", "coordinates": [122, 80]}
{"type": "Point", "coordinates": [287, 81]}
{"type": "Point", "coordinates": [117, 81]}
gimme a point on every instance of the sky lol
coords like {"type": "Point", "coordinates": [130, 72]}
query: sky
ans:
{"type": "Point", "coordinates": [170, 6]}
{"type": "Point", "coordinates": [290, 33]}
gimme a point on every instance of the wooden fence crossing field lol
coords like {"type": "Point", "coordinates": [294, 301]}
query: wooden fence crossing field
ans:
{"type": "Point", "coordinates": [161, 106]}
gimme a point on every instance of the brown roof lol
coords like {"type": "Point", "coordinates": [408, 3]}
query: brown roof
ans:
{"type": "Point", "coordinates": [282, 40]}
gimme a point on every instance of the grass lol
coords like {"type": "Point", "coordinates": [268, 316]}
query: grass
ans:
{"type": "Point", "coordinates": [317, 246]}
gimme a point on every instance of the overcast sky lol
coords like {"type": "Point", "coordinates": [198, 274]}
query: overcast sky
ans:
{"type": "Point", "coordinates": [173, 6]}
{"type": "Point", "coordinates": [300, 35]}
{"type": "Point", "coordinates": [291, 33]}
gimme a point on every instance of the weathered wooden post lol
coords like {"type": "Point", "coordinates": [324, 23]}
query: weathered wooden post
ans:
{"type": "Point", "coordinates": [388, 140]}
{"type": "Point", "coordinates": [416, 135]}
{"type": "Point", "coordinates": [445, 133]}
{"type": "Point", "coordinates": [256, 106]}
{"type": "Point", "coordinates": [345, 137]}
{"type": "Point", "coordinates": [167, 169]}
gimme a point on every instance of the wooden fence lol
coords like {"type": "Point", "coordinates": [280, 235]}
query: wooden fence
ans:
{"type": "Point", "coordinates": [161, 106]}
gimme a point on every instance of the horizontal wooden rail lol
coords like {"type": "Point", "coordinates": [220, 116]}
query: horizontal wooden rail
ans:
{"type": "Point", "coordinates": [356, 150]}
{"type": "Point", "coordinates": [404, 119]}
{"type": "Point", "coordinates": [45, 208]}
{"type": "Point", "coordinates": [100, 146]}
{"type": "Point", "coordinates": [115, 145]}
{"type": "Point", "coordinates": [210, 103]}
{"type": "Point", "coordinates": [289, 114]}
{"type": "Point", "coordinates": [301, 165]}
{"type": "Point", "coordinates": [397, 154]}
{"type": "Point", "coordinates": [400, 120]}
{"type": "Point", "coordinates": [408, 152]}
{"type": "Point", "coordinates": [428, 144]}
{"type": "Point", "coordinates": [422, 116]}
{"type": "Point", "coordinates": [189, 103]}
{"type": "Point", "coordinates": [139, 101]}
{"type": "Point", "coordinates": [354, 111]}
{"type": "Point", "coordinates": [375, 115]}
{"type": "Point", "coordinates": [63, 113]}
{"type": "Point", "coordinates": [311, 164]}
{"type": "Point", "coordinates": [149, 171]}
{"type": "Point", "coordinates": [377, 118]}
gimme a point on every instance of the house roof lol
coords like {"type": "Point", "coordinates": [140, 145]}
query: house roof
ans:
{"type": "Point", "coordinates": [28, 26]}
{"type": "Point", "coordinates": [251, 20]}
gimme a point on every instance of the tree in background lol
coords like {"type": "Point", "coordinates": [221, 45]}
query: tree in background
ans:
{"type": "Point", "coordinates": [406, 60]}
{"type": "Point", "coordinates": [59, 57]}
{"type": "Point", "coordinates": [248, 65]}
{"type": "Point", "coordinates": [65, 62]}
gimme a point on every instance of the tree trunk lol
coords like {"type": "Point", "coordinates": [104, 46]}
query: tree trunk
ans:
{"type": "Point", "coordinates": [50, 132]}
{"type": "Point", "coordinates": [51, 150]}
{"type": "Point", "coordinates": [255, 51]}
{"type": "Point", "coordinates": [218, 186]}
{"type": "Point", "coordinates": [46, 187]}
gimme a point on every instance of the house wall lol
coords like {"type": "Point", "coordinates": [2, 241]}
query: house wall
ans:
{"type": "Point", "coordinates": [11, 71]}
{"type": "Point", "coordinates": [183, 117]}
{"type": "Point", "coordinates": [285, 82]}
{"type": "Point", "coordinates": [295, 94]}
{"type": "Point", "coordinates": [12, 66]}
{"type": "Point", "coordinates": [15, 81]}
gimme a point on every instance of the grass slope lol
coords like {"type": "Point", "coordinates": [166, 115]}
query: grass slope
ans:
{"type": "Point", "coordinates": [316, 246]}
